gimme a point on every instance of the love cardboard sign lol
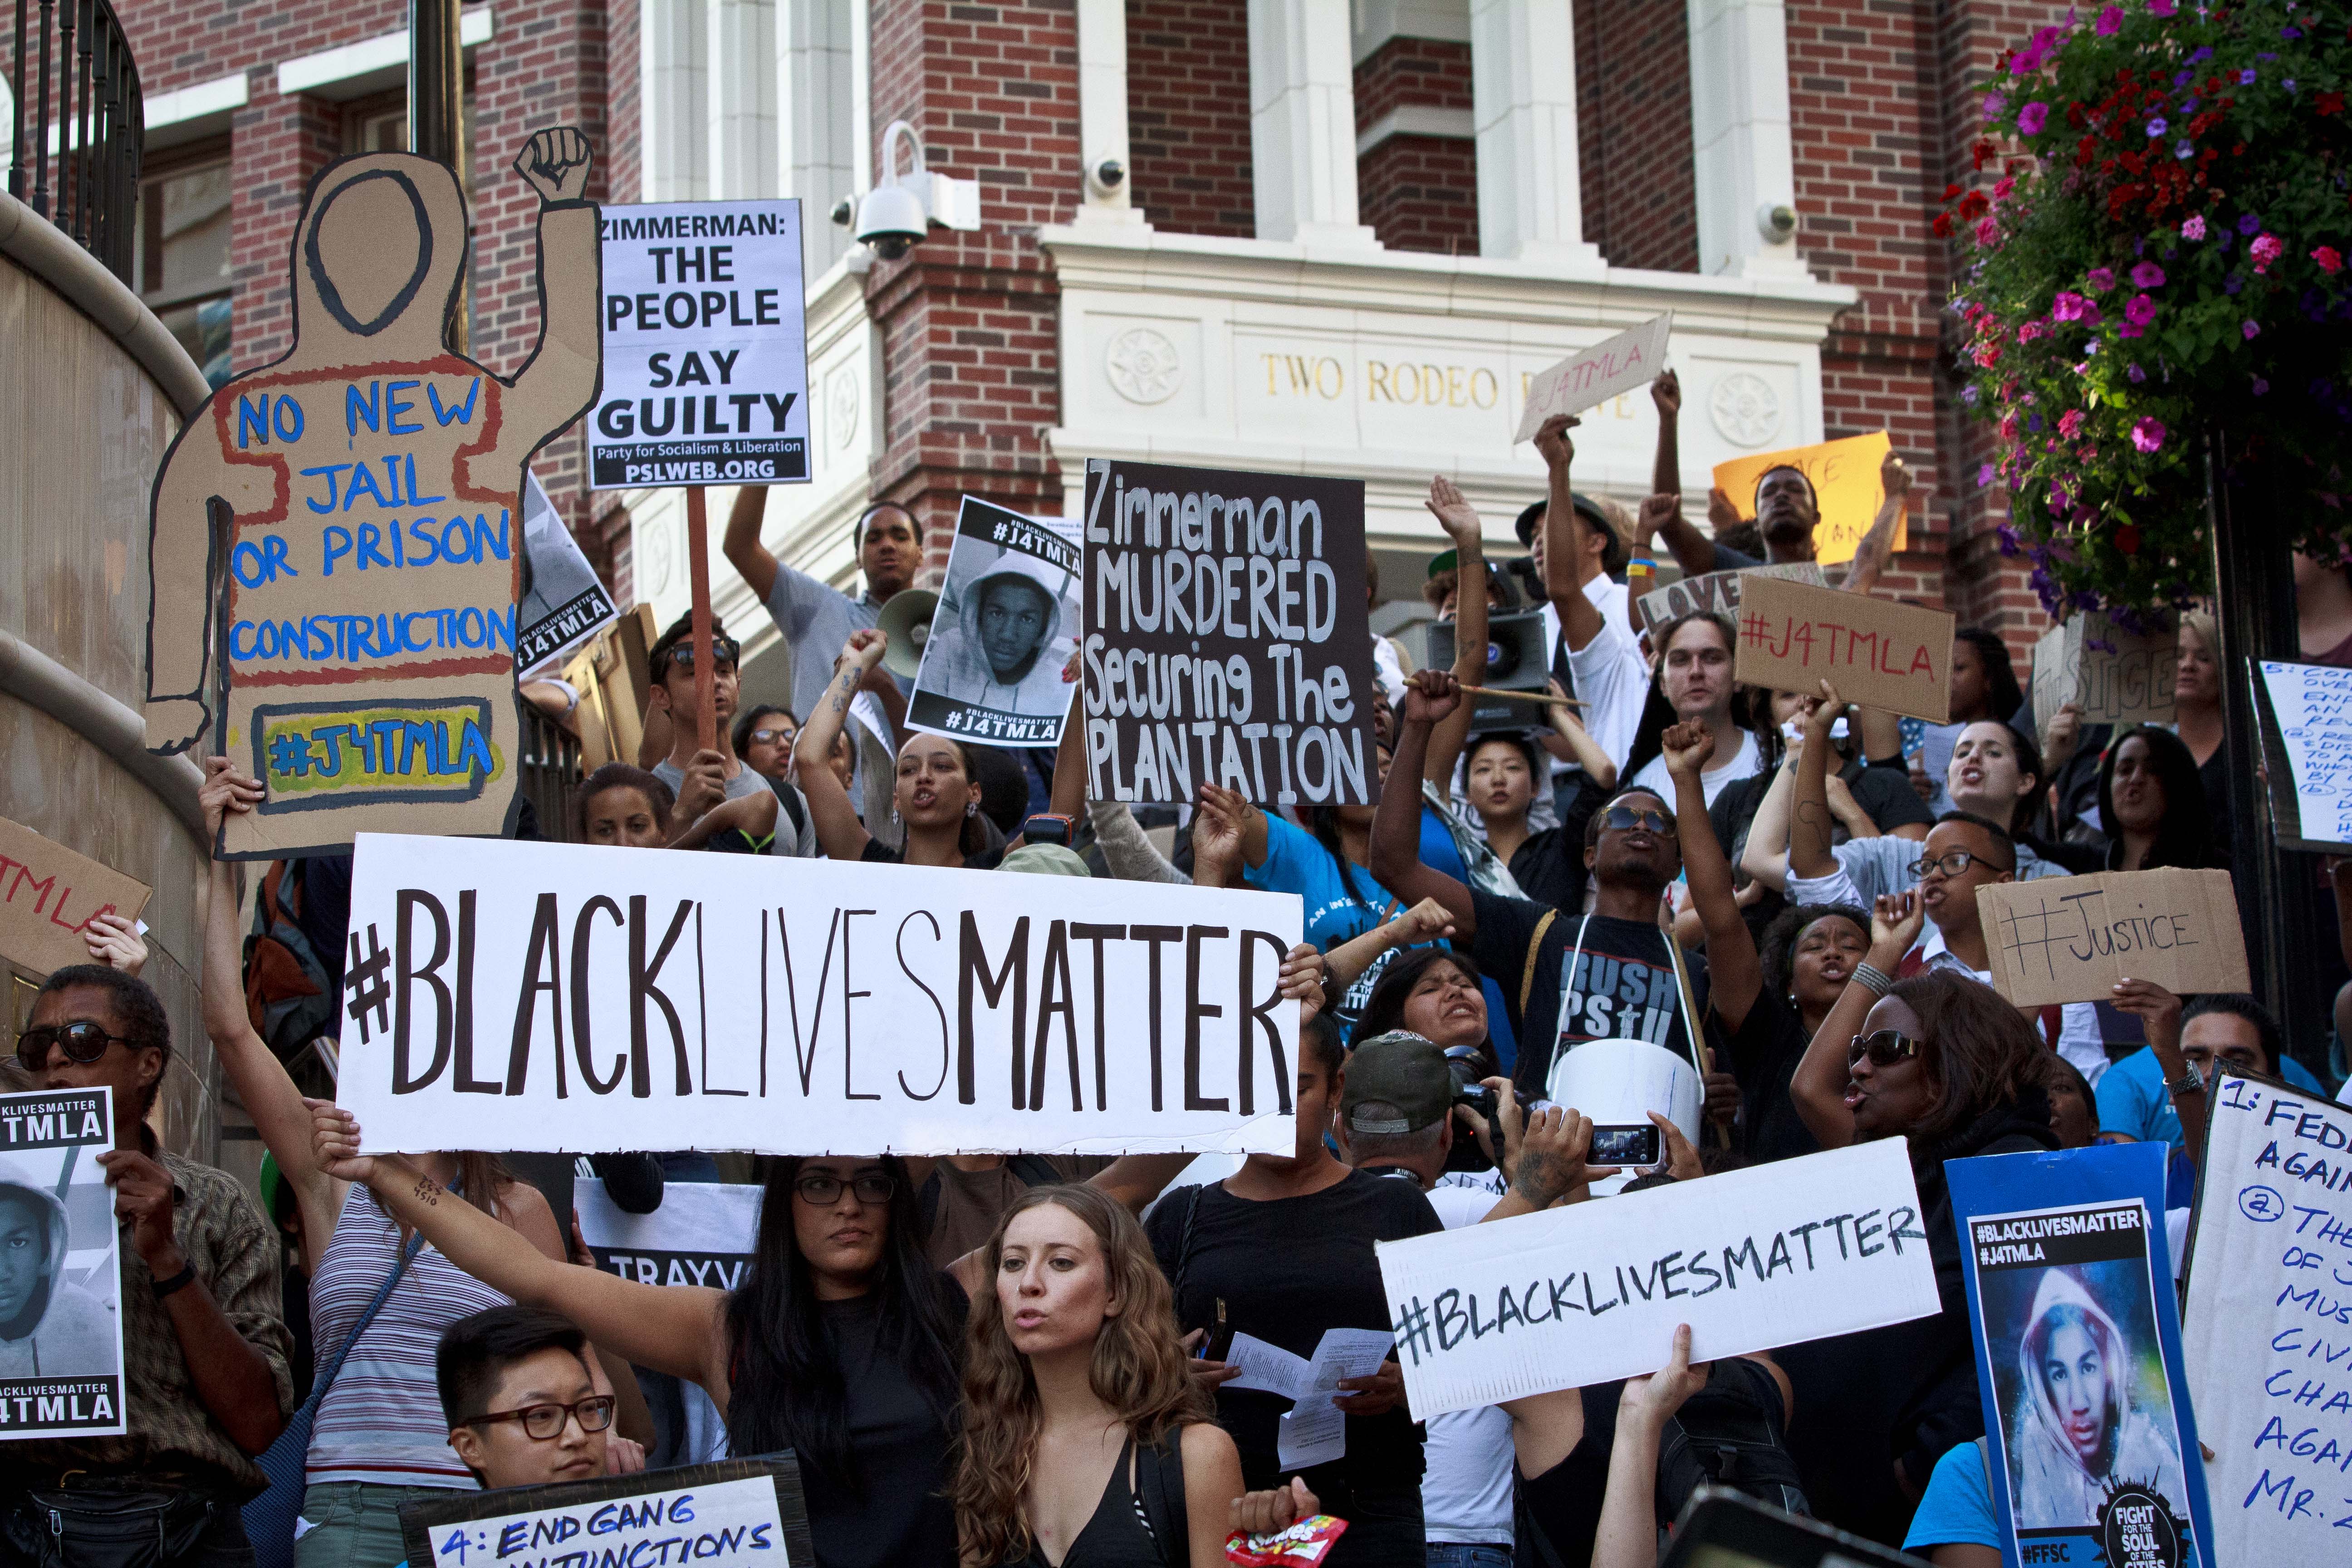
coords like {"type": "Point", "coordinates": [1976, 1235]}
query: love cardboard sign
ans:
{"type": "Point", "coordinates": [1874, 651]}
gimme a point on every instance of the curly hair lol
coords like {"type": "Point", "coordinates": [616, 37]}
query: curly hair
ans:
{"type": "Point", "coordinates": [1979, 1053]}
{"type": "Point", "coordinates": [1138, 1369]}
{"type": "Point", "coordinates": [1778, 951]}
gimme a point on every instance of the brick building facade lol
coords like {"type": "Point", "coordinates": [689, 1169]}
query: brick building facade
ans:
{"type": "Point", "coordinates": [1340, 236]}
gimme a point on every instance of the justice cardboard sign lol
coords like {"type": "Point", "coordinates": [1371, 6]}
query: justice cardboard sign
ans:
{"type": "Point", "coordinates": [706, 347]}
{"type": "Point", "coordinates": [574, 998]}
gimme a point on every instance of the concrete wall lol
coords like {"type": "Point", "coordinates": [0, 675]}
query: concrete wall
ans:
{"type": "Point", "coordinates": [85, 421]}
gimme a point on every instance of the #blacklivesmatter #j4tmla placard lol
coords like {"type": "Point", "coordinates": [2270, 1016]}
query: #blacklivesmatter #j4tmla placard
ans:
{"type": "Point", "coordinates": [577, 997]}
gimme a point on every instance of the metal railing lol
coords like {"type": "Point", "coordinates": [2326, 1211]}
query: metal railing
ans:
{"type": "Point", "coordinates": [79, 125]}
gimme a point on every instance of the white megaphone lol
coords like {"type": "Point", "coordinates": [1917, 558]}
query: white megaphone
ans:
{"type": "Point", "coordinates": [1618, 1083]}
{"type": "Point", "coordinates": [906, 620]}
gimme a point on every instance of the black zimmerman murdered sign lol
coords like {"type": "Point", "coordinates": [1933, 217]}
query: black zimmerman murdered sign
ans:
{"type": "Point", "coordinates": [1226, 636]}
{"type": "Point", "coordinates": [562, 996]}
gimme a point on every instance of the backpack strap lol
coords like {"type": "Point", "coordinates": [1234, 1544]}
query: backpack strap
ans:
{"type": "Point", "coordinates": [1033, 1170]}
{"type": "Point", "coordinates": [1160, 1488]}
{"type": "Point", "coordinates": [1535, 950]}
{"type": "Point", "coordinates": [1184, 1245]}
{"type": "Point", "coordinates": [400, 1266]}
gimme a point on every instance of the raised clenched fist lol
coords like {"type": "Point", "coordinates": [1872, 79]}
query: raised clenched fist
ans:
{"type": "Point", "coordinates": [556, 163]}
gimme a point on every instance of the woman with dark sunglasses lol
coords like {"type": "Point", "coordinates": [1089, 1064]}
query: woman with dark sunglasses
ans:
{"type": "Point", "coordinates": [843, 1343]}
{"type": "Point", "coordinates": [1944, 1063]}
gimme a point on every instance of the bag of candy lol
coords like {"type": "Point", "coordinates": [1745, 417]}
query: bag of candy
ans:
{"type": "Point", "coordinates": [1299, 1546]}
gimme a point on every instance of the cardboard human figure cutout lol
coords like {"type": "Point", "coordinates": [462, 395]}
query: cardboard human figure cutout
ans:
{"type": "Point", "coordinates": [336, 543]}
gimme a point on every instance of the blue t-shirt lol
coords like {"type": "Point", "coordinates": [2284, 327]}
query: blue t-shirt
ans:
{"type": "Point", "coordinates": [2132, 1100]}
{"type": "Point", "coordinates": [1957, 1509]}
{"type": "Point", "coordinates": [1297, 862]}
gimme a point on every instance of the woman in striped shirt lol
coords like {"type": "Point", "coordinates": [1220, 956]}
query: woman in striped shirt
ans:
{"type": "Point", "coordinates": [379, 1437]}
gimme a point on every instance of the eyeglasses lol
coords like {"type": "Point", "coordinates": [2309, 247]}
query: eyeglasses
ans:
{"type": "Point", "coordinates": [819, 1188]}
{"type": "Point", "coordinates": [723, 651]}
{"type": "Point", "coordinates": [1884, 1048]}
{"type": "Point", "coordinates": [1951, 863]}
{"type": "Point", "coordinates": [1625, 818]}
{"type": "Point", "coordinates": [83, 1041]}
{"type": "Point", "coordinates": [773, 737]}
{"type": "Point", "coordinates": [544, 1422]}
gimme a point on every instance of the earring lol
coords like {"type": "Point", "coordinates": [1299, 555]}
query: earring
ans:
{"type": "Point", "coordinates": [972, 808]}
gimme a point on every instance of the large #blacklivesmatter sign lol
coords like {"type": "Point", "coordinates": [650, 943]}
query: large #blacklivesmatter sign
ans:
{"type": "Point", "coordinates": [2268, 1318]}
{"type": "Point", "coordinates": [706, 347]}
{"type": "Point", "coordinates": [1800, 1249]}
{"type": "Point", "coordinates": [555, 997]}
{"type": "Point", "coordinates": [60, 1272]}
{"type": "Point", "coordinates": [1226, 636]}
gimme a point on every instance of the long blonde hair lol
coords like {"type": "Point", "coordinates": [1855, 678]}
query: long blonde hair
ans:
{"type": "Point", "coordinates": [1138, 1369]}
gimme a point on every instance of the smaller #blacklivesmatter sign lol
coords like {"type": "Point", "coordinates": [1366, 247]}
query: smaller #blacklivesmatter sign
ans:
{"type": "Point", "coordinates": [2078, 1358]}
{"type": "Point", "coordinates": [706, 347]}
{"type": "Point", "coordinates": [735, 1512]}
{"type": "Point", "coordinates": [60, 1272]}
{"type": "Point", "coordinates": [1006, 624]}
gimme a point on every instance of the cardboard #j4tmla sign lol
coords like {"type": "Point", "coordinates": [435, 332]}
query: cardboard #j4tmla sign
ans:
{"type": "Point", "coordinates": [48, 895]}
{"type": "Point", "coordinates": [335, 539]}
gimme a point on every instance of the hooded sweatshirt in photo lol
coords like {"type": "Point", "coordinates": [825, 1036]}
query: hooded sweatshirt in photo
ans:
{"type": "Point", "coordinates": [49, 1326]}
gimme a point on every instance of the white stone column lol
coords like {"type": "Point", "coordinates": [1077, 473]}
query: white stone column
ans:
{"type": "Point", "coordinates": [1523, 104]}
{"type": "Point", "coordinates": [1744, 175]}
{"type": "Point", "coordinates": [1302, 122]}
{"type": "Point", "coordinates": [672, 105]}
{"type": "Point", "coordinates": [742, 39]}
{"type": "Point", "coordinates": [1102, 114]}
{"type": "Point", "coordinates": [818, 119]}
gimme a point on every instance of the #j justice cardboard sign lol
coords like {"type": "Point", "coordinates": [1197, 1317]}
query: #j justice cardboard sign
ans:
{"type": "Point", "coordinates": [335, 539]}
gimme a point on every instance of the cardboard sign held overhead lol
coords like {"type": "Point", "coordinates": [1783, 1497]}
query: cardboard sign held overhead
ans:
{"type": "Point", "coordinates": [1844, 476]}
{"type": "Point", "coordinates": [1876, 652]}
{"type": "Point", "coordinates": [1007, 620]}
{"type": "Point", "coordinates": [1798, 1250]}
{"type": "Point", "coordinates": [335, 556]}
{"type": "Point", "coordinates": [2071, 939]}
{"type": "Point", "coordinates": [2305, 714]}
{"type": "Point", "coordinates": [2114, 676]}
{"type": "Point", "coordinates": [1718, 591]}
{"type": "Point", "coordinates": [48, 895]}
{"type": "Point", "coordinates": [706, 347]}
{"type": "Point", "coordinates": [1590, 377]}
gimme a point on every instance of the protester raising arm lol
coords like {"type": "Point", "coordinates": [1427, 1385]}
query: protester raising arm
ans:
{"type": "Point", "coordinates": [2159, 1015]}
{"type": "Point", "coordinates": [1877, 546]}
{"type": "Point", "coordinates": [1579, 618]}
{"type": "Point", "coordinates": [1430, 698]}
{"type": "Point", "coordinates": [1734, 974]}
{"type": "Point", "coordinates": [839, 830]}
{"type": "Point", "coordinates": [1629, 1519]}
{"type": "Point", "coordinates": [1694, 552]}
{"type": "Point", "coordinates": [1819, 1085]}
{"type": "Point", "coordinates": [1460, 521]}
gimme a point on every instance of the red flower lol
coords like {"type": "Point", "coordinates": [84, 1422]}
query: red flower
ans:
{"type": "Point", "coordinates": [2127, 539]}
{"type": "Point", "coordinates": [2330, 102]}
{"type": "Point", "coordinates": [1973, 206]}
{"type": "Point", "coordinates": [1950, 191]}
{"type": "Point", "coordinates": [1942, 227]}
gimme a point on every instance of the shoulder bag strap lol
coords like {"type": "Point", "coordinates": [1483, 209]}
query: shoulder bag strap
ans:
{"type": "Point", "coordinates": [1184, 1246]}
{"type": "Point", "coordinates": [1160, 1487]}
{"type": "Point", "coordinates": [400, 1266]}
{"type": "Point", "coordinates": [1535, 950]}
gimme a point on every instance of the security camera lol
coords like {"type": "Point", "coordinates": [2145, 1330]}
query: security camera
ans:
{"type": "Point", "coordinates": [1107, 173]}
{"type": "Point", "coordinates": [844, 211]}
{"type": "Point", "coordinates": [892, 220]}
{"type": "Point", "coordinates": [1777, 221]}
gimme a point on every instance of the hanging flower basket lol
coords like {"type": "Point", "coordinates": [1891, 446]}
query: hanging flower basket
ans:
{"type": "Point", "coordinates": [2160, 255]}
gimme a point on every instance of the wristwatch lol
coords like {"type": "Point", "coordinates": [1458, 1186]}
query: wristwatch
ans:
{"type": "Point", "coordinates": [185, 1277]}
{"type": "Point", "coordinates": [2190, 1080]}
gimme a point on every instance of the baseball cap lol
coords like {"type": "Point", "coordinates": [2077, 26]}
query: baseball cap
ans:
{"type": "Point", "coordinates": [1046, 860]}
{"type": "Point", "coordinates": [1397, 1069]}
{"type": "Point", "coordinates": [1533, 513]}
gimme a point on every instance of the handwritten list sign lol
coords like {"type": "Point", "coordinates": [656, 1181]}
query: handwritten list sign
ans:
{"type": "Point", "coordinates": [2071, 939]}
{"type": "Point", "coordinates": [2112, 676]}
{"type": "Point", "coordinates": [1876, 652]}
{"type": "Point", "coordinates": [2309, 713]}
{"type": "Point", "coordinates": [1799, 1249]}
{"type": "Point", "coordinates": [1590, 377]}
{"type": "Point", "coordinates": [2262, 1330]}
{"type": "Point", "coordinates": [739, 1511]}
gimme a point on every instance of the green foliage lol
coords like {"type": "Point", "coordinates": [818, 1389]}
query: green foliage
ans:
{"type": "Point", "coordinates": [2167, 258]}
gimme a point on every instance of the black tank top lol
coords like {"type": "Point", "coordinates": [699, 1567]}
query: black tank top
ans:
{"type": "Point", "coordinates": [1118, 1536]}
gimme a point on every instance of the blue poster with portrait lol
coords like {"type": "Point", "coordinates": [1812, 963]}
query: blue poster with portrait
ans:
{"type": "Point", "coordinates": [2092, 1448]}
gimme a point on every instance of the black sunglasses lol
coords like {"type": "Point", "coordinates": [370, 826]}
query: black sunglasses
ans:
{"type": "Point", "coordinates": [1625, 818]}
{"type": "Point", "coordinates": [544, 1422]}
{"type": "Point", "coordinates": [723, 650]}
{"type": "Point", "coordinates": [1885, 1047]}
{"type": "Point", "coordinates": [820, 1188]}
{"type": "Point", "coordinates": [84, 1042]}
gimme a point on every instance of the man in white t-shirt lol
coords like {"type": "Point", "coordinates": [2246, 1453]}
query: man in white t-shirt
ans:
{"type": "Point", "coordinates": [1396, 1107]}
{"type": "Point", "coordinates": [1695, 659]}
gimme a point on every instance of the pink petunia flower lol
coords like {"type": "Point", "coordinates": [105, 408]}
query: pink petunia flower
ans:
{"type": "Point", "coordinates": [2068, 306]}
{"type": "Point", "coordinates": [1984, 475]}
{"type": "Point", "coordinates": [2033, 118]}
{"type": "Point", "coordinates": [2194, 228]}
{"type": "Point", "coordinates": [2248, 331]}
{"type": "Point", "coordinates": [1988, 229]}
{"type": "Point", "coordinates": [2110, 22]}
{"type": "Point", "coordinates": [2160, 7]}
{"type": "Point", "coordinates": [2148, 275]}
{"type": "Point", "coordinates": [2002, 187]}
{"type": "Point", "coordinates": [2140, 312]}
{"type": "Point", "coordinates": [2070, 424]}
{"type": "Point", "coordinates": [2330, 260]}
{"type": "Point", "coordinates": [2148, 435]}
{"type": "Point", "coordinates": [2266, 248]}
{"type": "Point", "coordinates": [2099, 281]}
